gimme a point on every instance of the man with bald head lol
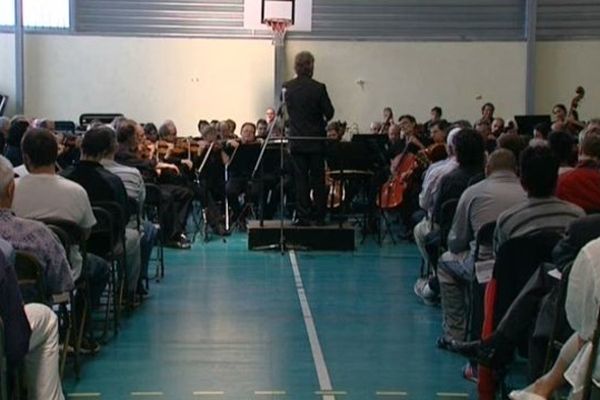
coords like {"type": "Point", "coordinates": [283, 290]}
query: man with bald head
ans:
{"type": "Point", "coordinates": [478, 205]}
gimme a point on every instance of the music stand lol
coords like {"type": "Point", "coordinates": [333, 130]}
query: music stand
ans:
{"type": "Point", "coordinates": [348, 161]}
{"type": "Point", "coordinates": [377, 146]}
{"type": "Point", "coordinates": [526, 123]}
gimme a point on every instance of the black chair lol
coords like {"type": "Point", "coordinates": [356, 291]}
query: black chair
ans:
{"type": "Point", "coordinates": [516, 261]}
{"type": "Point", "coordinates": [3, 365]}
{"type": "Point", "coordinates": [436, 242]}
{"type": "Point", "coordinates": [3, 102]}
{"type": "Point", "coordinates": [153, 211]}
{"type": "Point", "coordinates": [30, 276]}
{"type": "Point", "coordinates": [484, 239]}
{"type": "Point", "coordinates": [104, 243]}
{"type": "Point", "coordinates": [72, 315]}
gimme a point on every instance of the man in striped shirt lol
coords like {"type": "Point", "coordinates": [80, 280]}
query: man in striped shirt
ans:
{"type": "Point", "coordinates": [541, 211]}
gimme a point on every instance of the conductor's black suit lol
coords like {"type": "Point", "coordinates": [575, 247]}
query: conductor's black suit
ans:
{"type": "Point", "coordinates": [309, 108]}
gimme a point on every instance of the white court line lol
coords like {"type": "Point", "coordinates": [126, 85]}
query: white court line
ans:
{"type": "Point", "coordinates": [311, 330]}
{"type": "Point", "coordinates": [209, 393]}
{"type": "Point", "coordinates": [92, 394]}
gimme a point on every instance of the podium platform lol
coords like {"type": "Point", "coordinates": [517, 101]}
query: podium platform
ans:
{"type": "Point", "coordinates": [324, 238]}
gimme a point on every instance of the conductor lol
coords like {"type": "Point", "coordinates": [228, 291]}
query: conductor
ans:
{"type": "Point", "coordinates": [309, 108]}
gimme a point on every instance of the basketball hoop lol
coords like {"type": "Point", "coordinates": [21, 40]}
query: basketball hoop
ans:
{"type": "Point", "coordinates": [279, 28]}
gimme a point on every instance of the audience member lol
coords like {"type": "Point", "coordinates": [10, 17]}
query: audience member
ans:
{"type": "Point", "coordinates": [581, 185]}
{"type": "Point", "coordinates": [30, 334]}
{"type": "Point", "coordinates": [33, 237]}
{"type": "Point", "coordinates": [478, 205]}
{"type": "Point", "coordinates": [102, 185]}
{"type": "Point", "coordinates": [564, 148]}
{"type": "Point", "coordinates": [541, 210]}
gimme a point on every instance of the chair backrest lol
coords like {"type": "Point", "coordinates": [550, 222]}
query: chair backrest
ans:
{"type": "Point", "coordinates": [484, 238]}
{"type": "Point", "coordinates": [74, 234]}
{"type": "Point", "coordinates": [516, 261]}
{"type": "Point", "coordinates": [30, 276]}
{"type": "Point", "coordinates": [447, 212]}
{"type": "Point", "coordinates": [152, 203]}
{"type": "Point", "coordinates": [3, 102]}
{"type": "Point", "coordinates": [118, 213]}
{"type": "Point", "coordinates": [102, 239]}
{"type": "Point", "coordinates": [3, 365]}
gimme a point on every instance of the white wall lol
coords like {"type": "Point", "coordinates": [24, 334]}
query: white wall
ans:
{"type": "Point", "coordinates": [151, 79]}
{"type": "Point", "coordinates": [414, 77]}
{"type": "Point", "coordinates": [561, 67]}
{"type": "Point", "coordinates": [7, 69]}
{"type": "Point", "coordinates": [148, 79]}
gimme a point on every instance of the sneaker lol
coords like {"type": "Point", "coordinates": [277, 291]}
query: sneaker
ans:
{"type": "Point", "coordinates": [424, 292]}
{"type": "Point", "coordinates": [89, 346]}
{"type": "Point", "coordinates": [524, 395]}
{"type": "Point", "coordinates": [469, 372]}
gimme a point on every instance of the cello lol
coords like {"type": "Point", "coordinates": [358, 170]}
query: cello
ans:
{"type": "Point", "coordinates": [391, 193]}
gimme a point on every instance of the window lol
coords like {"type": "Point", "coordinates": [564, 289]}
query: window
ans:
{"type": "Point", "coordinates": [37, 13]}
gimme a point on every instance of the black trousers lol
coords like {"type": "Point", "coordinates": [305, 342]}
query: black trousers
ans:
{"type": "Point", "coordinates": [309, 174]}
{"type": "Point", "coordinates": [234, 187]}
{"type": "Point", "coordinates": [177, 203]}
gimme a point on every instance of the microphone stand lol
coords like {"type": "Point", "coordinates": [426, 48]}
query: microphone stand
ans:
{"type": "Point", "coordinates": [280, 118]}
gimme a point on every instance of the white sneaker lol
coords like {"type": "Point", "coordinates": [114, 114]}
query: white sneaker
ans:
{"type": "Point", "coordinates": [424, 292]}
{"type": "Point", "coordinates": [523, 395]}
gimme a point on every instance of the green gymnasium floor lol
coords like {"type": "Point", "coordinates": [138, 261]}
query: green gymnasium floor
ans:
{"type": "Point", "coordinates": [231, 324]}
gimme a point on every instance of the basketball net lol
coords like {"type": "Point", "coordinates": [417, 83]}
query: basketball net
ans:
{"type": "Point", "coordinates": [279, 29]}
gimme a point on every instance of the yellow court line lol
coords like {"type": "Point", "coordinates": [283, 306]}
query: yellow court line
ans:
{"type": "Point", "coordinates": [209, 393]}
{"type": "Point", "coordinates": [270, 393]}
{"type": "Point", "coordinates": [387, 393]}
{"type": "Point", "coordinates": [91, 394]}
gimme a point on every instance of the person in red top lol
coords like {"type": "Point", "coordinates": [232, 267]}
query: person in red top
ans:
{"type": "Point", "coordinates": [581, 186]}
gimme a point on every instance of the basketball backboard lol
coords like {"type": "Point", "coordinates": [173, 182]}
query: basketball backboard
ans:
{"type": "Point", "coordinates": [299, 11]}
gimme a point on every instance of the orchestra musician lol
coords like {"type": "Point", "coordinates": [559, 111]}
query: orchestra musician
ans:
{"type": "Point", "coordinates": [309, 107]}
{"type": "Point", "coordinates": [238, 179]}
{"type": "Point", "coordinates": [176, 199]}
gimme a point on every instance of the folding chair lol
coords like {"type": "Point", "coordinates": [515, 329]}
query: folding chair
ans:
{"type": "Point", "coordinates": [104, 243]}
{"type": "Point", "coordinates": [484, 239]}
{"type": "Point", "coordinates": [153, 212]}
{"type": "Point", "coordinates": [3, 365]}
{"type": "Point", "coordinates": [30, 276]}
{"type": "Point", "coordinates": [3, 102]}
{"type": "Point", "coordinates": [516, 260]}
{"type": "Point", "coordinates": [70, 234]}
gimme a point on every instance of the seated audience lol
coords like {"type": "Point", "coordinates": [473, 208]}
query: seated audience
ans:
{"type": "Point", "coordinates": [33, 237]}
{"type": "Point", "coordinates": [581, 185]}
{"type": "Point", "coordinates": [4, 127]}
{"type": "Point", "coordinates": [478, 205]}
{"type": "Point", "coordinates": [30, 335]}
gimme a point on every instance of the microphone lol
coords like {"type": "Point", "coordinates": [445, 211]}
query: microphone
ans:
{"type": "Point", "coordinates": [283, 107]}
